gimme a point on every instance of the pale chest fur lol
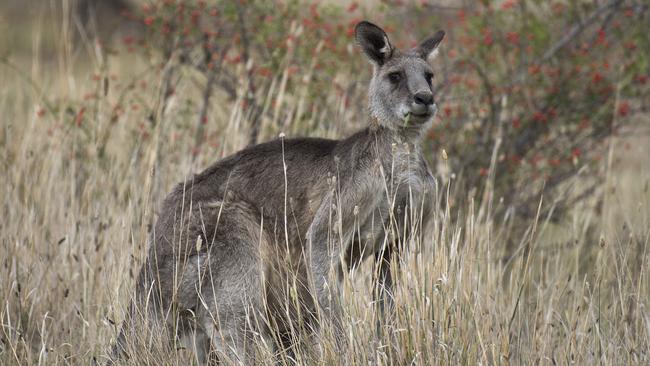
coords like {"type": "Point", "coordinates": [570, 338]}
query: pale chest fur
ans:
{"type": "Point", "coordinates": [404, 172]}
{"type": "Point", "coordinates": [400, 184]}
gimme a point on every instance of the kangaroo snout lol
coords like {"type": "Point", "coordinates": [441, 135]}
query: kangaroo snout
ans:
{"type": "Point", "coordinates": [422, 102]}
{"type": "Point", "coordinates": [425, 98]}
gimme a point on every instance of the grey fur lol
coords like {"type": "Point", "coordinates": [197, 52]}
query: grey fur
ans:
{"type": "Point", "coordinates": [229, 244]}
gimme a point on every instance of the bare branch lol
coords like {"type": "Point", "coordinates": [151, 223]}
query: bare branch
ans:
{"type": "Point", "coordinates": [255, 111]}
{"type": "Point", "coordinates": [579, 28]}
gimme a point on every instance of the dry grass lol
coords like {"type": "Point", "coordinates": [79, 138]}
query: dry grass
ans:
{"type": "Point", "coordinates": [77, 202]}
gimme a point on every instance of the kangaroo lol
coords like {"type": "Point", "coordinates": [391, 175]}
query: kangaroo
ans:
{"type": "Point", "coordinates": [230, 244]}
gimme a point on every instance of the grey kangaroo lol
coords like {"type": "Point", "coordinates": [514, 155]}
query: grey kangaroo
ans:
{"type": "Point", "coordinates": [261, 234]}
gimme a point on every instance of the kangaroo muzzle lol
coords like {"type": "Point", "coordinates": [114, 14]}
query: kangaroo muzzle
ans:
{"type": "Point", "coordinates": [422, 103]}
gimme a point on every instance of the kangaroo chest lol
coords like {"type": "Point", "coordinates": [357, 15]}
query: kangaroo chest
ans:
{"type": "Point", "coordinates": [401, 184]}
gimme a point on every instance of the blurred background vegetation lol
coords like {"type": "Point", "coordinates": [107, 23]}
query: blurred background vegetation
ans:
{"type": "Point", "coordinates": [106, 103]}
{"type": "Point", "coordinates": [529, 91]}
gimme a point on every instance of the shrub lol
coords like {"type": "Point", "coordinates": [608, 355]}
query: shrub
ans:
{"type": "Point", "coordinates": [529, 92]}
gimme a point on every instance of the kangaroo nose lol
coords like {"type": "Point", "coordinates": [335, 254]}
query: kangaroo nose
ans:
{"type": "Point", "coordinates": [425, 98]}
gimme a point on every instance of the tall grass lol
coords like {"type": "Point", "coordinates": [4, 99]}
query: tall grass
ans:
{"type": "Point", "coordinates": [79, 195]}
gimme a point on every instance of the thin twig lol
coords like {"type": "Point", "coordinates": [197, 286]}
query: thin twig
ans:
{"type": "Point", "coordinates": [254, 110]}
{"type": "Point", "coordinates": [579, 28]}
{"type": "Point", "coordinates": [213, 71]}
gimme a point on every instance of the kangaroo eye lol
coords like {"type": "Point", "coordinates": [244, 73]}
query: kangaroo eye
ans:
{"type": "Point", "coordinates": [395, 77]}
{"type": "Point", "coordinates": [428, 76]}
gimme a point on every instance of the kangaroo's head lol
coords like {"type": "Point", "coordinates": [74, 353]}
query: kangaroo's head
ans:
{"type": "Point", "coordinates": [400, 92]}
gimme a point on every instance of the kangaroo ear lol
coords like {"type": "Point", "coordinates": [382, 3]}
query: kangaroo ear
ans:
{"type": "Point", "coordinates": [374, 42]}
{"type": "Point", "coordinates": [428, 49]}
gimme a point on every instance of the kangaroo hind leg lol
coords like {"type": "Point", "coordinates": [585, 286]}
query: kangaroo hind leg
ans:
{"type": "Point", "coordinates": [232, 311]}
